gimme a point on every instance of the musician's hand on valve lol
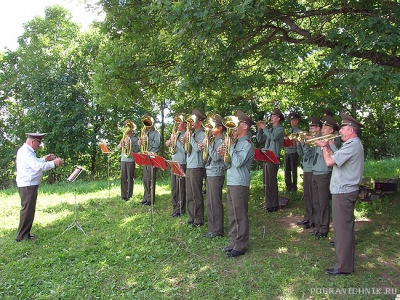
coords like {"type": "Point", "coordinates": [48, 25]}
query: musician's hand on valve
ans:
{"type": "Point", "coordinates": [221, 150]}
{"type": "Point", "coordinates": [320, 143]}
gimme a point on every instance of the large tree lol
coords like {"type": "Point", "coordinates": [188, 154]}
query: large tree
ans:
{"type": "Point", "coordinates": [256, 54]}
{"type": "Point", "coordinates": [47, 86]}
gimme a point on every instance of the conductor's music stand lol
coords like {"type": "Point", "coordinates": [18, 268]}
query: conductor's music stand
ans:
{"type": "Point", "coordinates": [72, 178]}
{"type": "Point", "coordinates": [154, 161]}
{"type": "Point", "coordinates": [106, 150]}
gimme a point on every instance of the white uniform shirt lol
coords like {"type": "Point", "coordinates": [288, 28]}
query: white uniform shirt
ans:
{"type": "Point", "coordinates": [29, 167]}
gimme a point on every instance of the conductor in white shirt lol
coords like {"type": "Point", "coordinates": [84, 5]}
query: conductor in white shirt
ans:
{"type": "Point", "coordinates": [29, 174]}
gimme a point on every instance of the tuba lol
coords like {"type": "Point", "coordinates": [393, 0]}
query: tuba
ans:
{"type": "Point", "coordinates": [190, 120]}
{"type": "Point", "coordinates": [147, 122]}
{"type": "Point", "coordinates": [126, 147]}
{"type": "Point", "coordinates": [231, 123]}
{"type": "Point", "coordinates": [177, 119]}
{"type": "Point", "coordinates": [209, 124]}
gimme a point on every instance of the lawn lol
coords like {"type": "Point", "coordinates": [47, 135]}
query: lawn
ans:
{"type": "Point", "coordinates": [131, 251]}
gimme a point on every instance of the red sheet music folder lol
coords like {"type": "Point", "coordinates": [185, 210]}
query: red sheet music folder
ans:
{"type": "Point", "coordinates": [104, 148]}
{"type": "Point", "coordinates": [150, 159]}
{"type": "Point", "coordinates": [265, 156]}
{"type": "Point", "coordinates": [288, 143]}
{"type": "Point", "coordinates": [176, 168]}
{"type": "Point", "coordinates": [142, 159]}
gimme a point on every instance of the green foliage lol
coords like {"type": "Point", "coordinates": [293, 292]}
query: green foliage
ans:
{"type": "Point", "coordinates": [130, 253]}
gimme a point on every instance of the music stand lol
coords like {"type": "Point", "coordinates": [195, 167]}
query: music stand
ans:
{"type": "Point", "coordinates": [154, 161]}
{"type": "Point", "coordinates": [106, 150]}
{"type": "Point", "coordinates": [265, 156]}
{"type": "Point", "coordinates": [178, 171]}
{"type": "Point", "coordinates": [72, 178]}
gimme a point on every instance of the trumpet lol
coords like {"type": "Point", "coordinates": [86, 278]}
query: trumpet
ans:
{"type": "Point", "coordinates": [299, 136]}
{"type": "Point", "coordinates": [231, 123]}
{"type": "Point", "coordinates": [208, 125]}
{"type": "Point", "coordinates": [147, 122]}
{"type": "Point", "coordinates": [265, 122]}
{"type": "Point", "coordinates": [172, 146]}
{"type": "Point", "coordinates": [127, 146]}
{"type": "Point", "coordinates": [324, 138]}
{"type": "Point", "coordinates": [190, 120]}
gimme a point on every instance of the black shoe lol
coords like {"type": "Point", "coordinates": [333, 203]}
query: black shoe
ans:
{"type": "Point", "coordinates": [309, 225]}
{"type": "Point", "coordinates": [332, 244]}
{"type": "Point", "coordinates": [314, 232]}
{"type": "Point", "coordinates": [320, 235]}
{"type": "Point", "coordinates": [147, 203]}
{"type": "Point", "coordinates": [175, 214]}
{"type": "Point", "coordinates": [213, 236]}
{"type": "Point", "coordinates": [271, 209]}
{"type": "Point", "coordinates": [197, 224]}
{"type": "Point", "coordinates": [208, 233]}
{"type": "Point", "coordinates": [335, 272]}
{"type": "Point", "coordinates": [228, 249]}
{"type": "Point", "coordinates": [234, 253]}
{"type": "Point", "coordinates": [303, 222]}
{"type": "Point", "coordinates": [143, 201]}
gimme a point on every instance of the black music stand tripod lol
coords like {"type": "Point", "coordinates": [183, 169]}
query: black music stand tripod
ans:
{"type": "Point", "coordinates": [72, 178]}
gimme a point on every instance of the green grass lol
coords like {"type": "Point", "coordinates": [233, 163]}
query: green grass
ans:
{"type": "Point", "coordinates": [130, 253]}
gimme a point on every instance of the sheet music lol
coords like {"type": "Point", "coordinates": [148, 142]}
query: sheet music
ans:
{"type": "Point", "coordinates": [104, 148]}
{"type": "Point", "coordinates": [75, 174]}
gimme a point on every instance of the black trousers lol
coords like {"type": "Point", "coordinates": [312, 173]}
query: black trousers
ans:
{"type": "Point", "coordinates": [127, 179]}
{"type": "Point", "coordinates": [28, 196]}
{"type": "Point", "coordinates": [291, 163]}
{"type": "Point", "coordinates": [149, 187]}
{"type": "Point", "coordinates": [271, 185]}
{"type": "Point", "coordinates": [194, 194]}
{"type": "Point", "coordinates": [215, 209]}
{"type": "Point", "coordinates": [238, 207]}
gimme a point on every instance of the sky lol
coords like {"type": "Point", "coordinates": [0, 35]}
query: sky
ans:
{"type": "Point", "coordinates": [14, 13]}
